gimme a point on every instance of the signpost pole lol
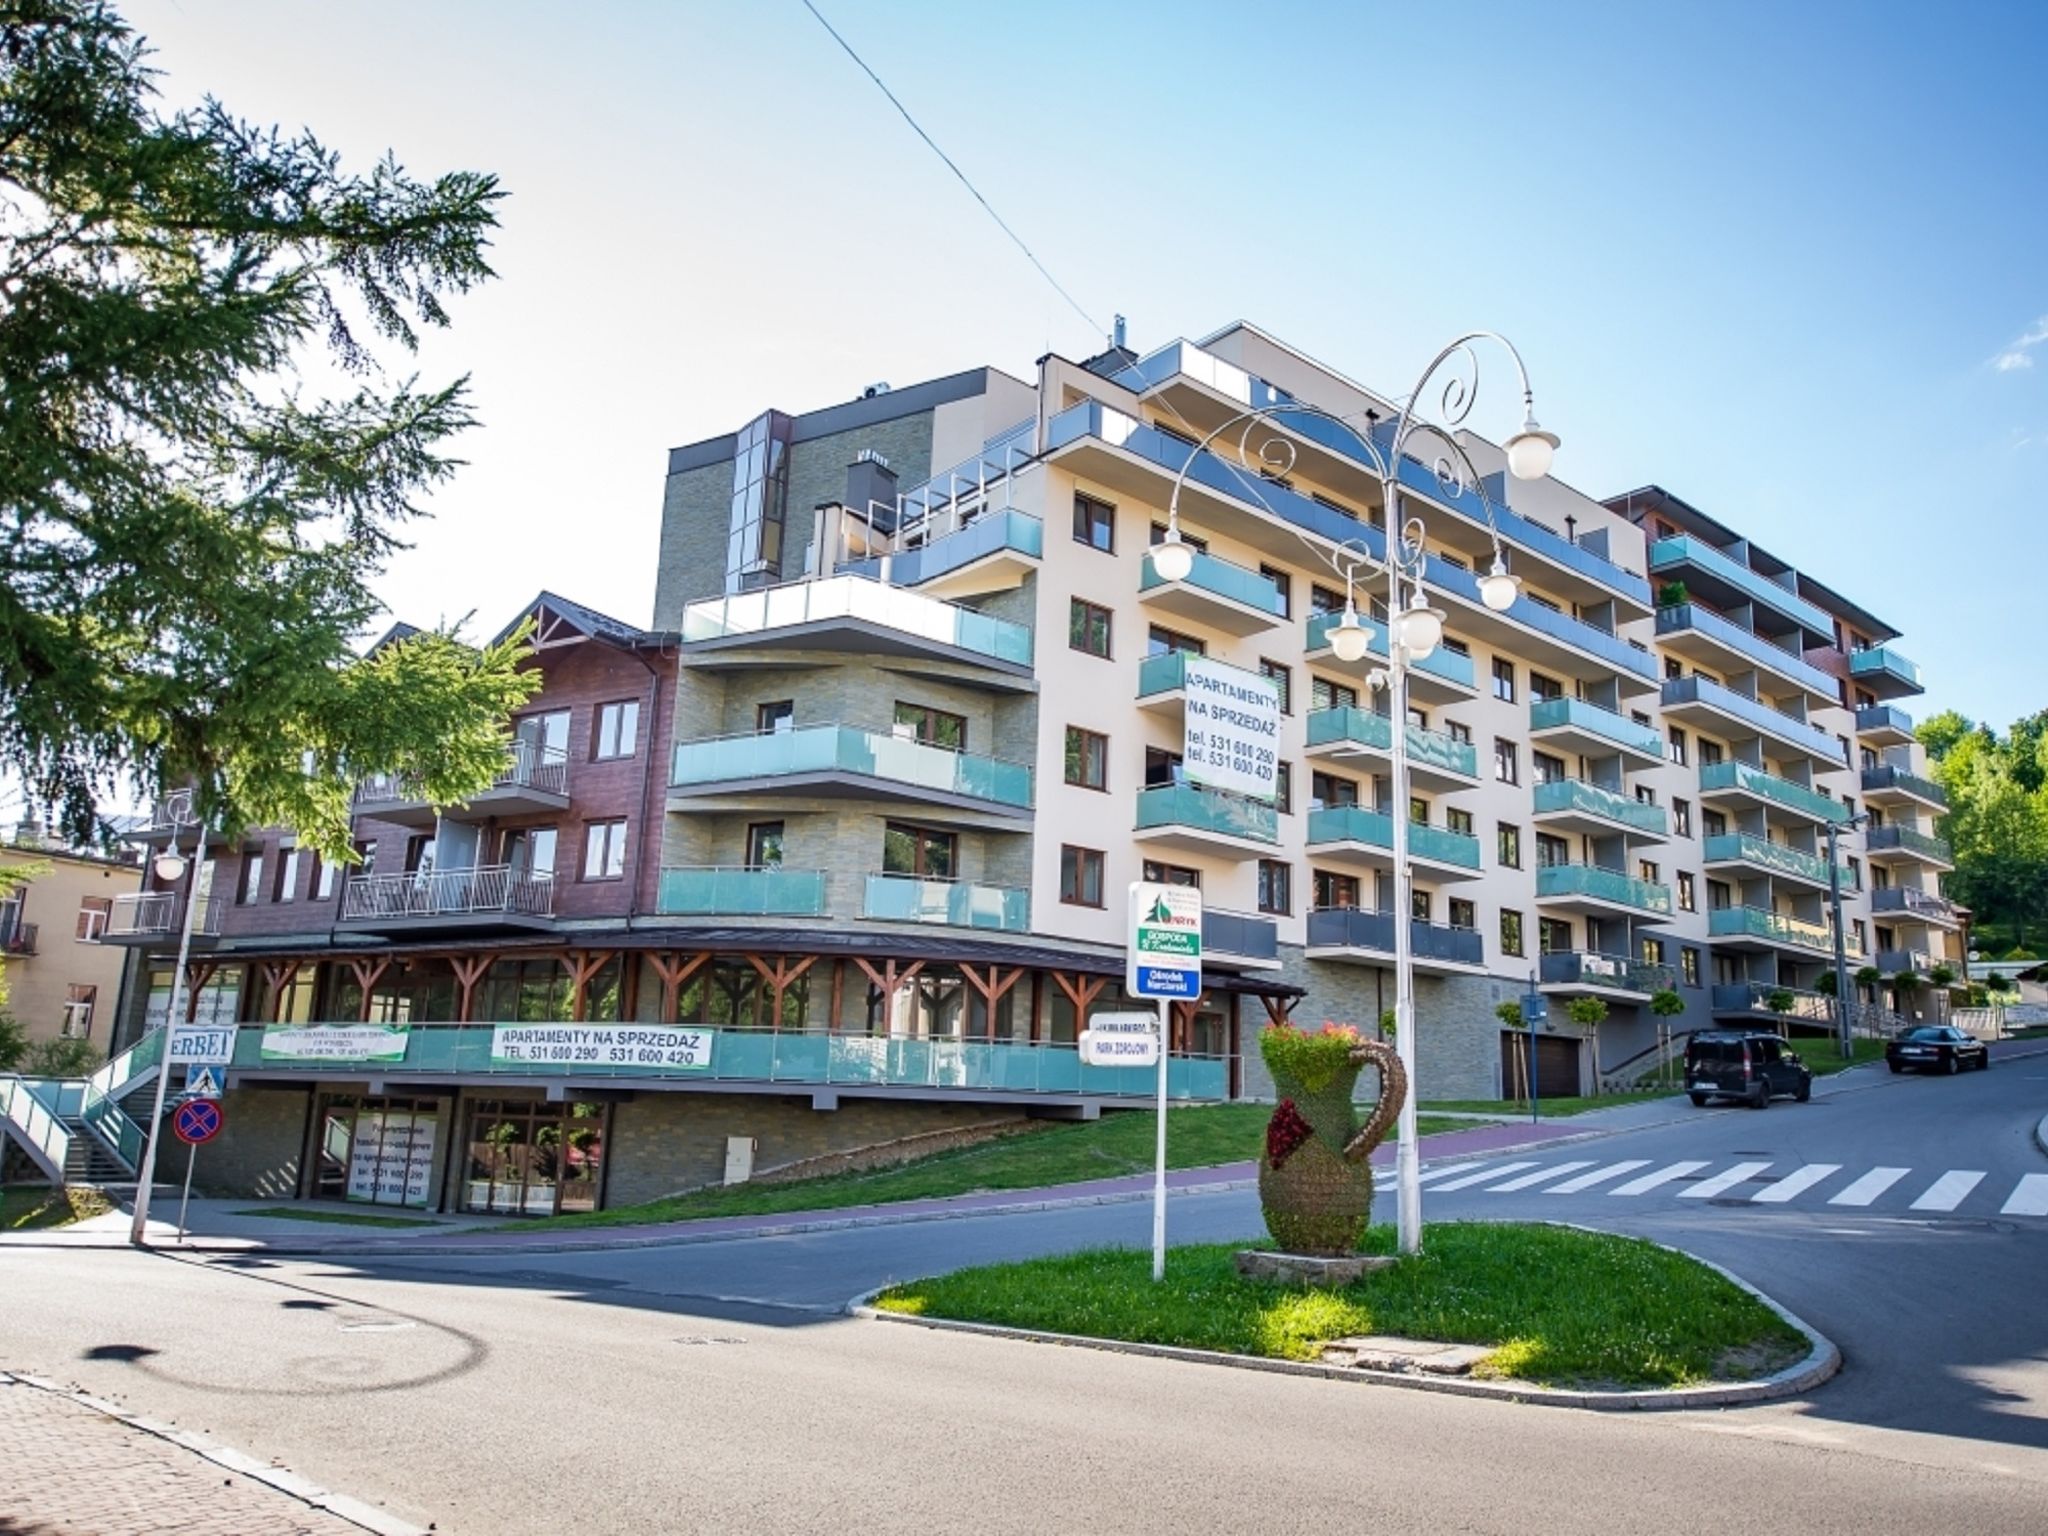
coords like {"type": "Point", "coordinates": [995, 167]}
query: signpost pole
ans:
{"type": "Point", "coordinates": [145, 1178]}
{"type": "Point", "coordinates": [185, 1200]}
{"type": "Point", "coordinates": [1159, 1166]}
{"type": "Point", "coordinates": [1533, 1008]}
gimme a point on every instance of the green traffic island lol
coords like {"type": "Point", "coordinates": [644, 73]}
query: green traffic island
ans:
{"type": "Point", "coordinates": [40, 1207]}
{"type": "Point", "coordinates": [1542, 1308]}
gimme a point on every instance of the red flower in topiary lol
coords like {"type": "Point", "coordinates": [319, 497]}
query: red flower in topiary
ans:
{"type": "Point", "coordinates": [1285, 1132]}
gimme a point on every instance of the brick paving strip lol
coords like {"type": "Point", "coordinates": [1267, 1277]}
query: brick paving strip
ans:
{"type": "Point", "coordinates": [75, 1465]}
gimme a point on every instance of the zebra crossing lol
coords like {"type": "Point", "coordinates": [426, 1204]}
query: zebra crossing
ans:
{"type": "Point", "coordinates": [1786, 1183]}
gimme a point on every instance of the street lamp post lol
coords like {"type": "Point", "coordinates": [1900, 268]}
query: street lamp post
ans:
{"type": "Point", "coordinates": [1414, 628]}
{"type": "Point", "coordinates": [170, 867]}
{"type": "Point", "coordinates": [1833, 831]}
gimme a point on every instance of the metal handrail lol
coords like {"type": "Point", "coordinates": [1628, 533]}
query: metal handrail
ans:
{"type": "Point", "coordinates": [148, 912]}
{"type": "Point", "coordinates": [449, 893]}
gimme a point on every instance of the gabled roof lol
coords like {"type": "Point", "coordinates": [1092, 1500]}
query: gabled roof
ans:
{"type": "Point", "coordinates": [585, 621]}
{"type": "Point", "coordinates": [393, 635]}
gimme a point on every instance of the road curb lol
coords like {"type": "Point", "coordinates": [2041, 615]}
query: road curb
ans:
{"type": "Point", "coordinates": [2041, 1133]}
{"type": "Point", "coordinates": [1820, 1363]}
{"type": "Point", "coordinates": [364, 1516]}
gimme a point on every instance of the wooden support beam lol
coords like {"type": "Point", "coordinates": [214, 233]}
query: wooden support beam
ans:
{"type": "Point", "coordinates": [992, 987]}
{"type": "Point", "coordinates": [368, 972]}
{"type": "Point", "coordinates": [469, 970]}
{"type": "Point", "coordinates": [787, 968]}
{"type": "Point", "coordinates": [277, 976]}
{"type": "Point", "coordinates": [197, 974]}
{"type": "Point", "coordinates": [674, 970]}
{"type": "Point", "coordinates": [583, 965]}
{"type": "Point", "coordinates": [888, 979]}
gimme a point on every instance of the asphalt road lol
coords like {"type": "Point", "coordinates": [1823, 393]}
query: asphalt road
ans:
{"type": "Point", "coordinates": [715, 1386]}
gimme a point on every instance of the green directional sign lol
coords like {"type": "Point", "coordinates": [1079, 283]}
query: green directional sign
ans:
{"type": "Point", "coordinates": [1165, 941]}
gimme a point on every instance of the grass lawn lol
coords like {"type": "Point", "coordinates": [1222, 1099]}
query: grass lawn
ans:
{"type": "Point", "coordinates": [26, 1207]}
{"type": "Point", "coordinates": [1566, 1308]}
{"type": "Point", "coordinates": [338, 1218]}
{"type": "Point", "coordinates": [1120, 1143]}
{"type": "Point", "coordinates": [1553, 1109]}
{"type": "Point", "coordinates": [1823, 1058]}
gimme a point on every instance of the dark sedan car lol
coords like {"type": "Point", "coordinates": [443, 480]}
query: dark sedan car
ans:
{"type": "Point", "coordinates": [1936, 1048]}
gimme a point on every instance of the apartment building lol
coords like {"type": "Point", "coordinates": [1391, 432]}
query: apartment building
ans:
{"type": "Point", "coordinates": [63, 981]}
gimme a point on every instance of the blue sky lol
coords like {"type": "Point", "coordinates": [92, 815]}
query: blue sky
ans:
{"type": "Point", "coordinates": [1766, 256]}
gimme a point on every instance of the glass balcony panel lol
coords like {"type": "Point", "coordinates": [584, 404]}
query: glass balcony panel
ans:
{"type": "Point", "coordinates": [774, 892]}
{"type": "Point", "coordinates": [848, 749]}
{"type": "Point", "coordinates": [1239, 933]}
{"type": "Point", "coordinates": [955, 903]}
{"type": "Point", "coordinates": [1887, 776]}
{"type": "Point", "coordinates": [1682, 549]}
{"type": "Point", "coordinates": [1350, 824]}
{"type": "Point", "coordinates": [1878, 660]}
{"type": "Point", "coordinates": [1796, 797]}
{"type": "Point", "coordinates": [856, 597]}
{"type": "Point", "coordinates": [1593, 800]}
{"type": "Point", "coordinates": [1756, 923]}
{"type": "Point", "coordinates": [1224, 579]}
{"type": "Point", "coordinates": [1597, 882]}
{"type": "Point", "coordinates": [1441, 662]}
{"type": "Point", "coordinates": [1755, 713]}
{"type": "Point", "coordinates": [1621, 972]}
{"type": "Point", "coordinates": [1761, 853]}
{"type": "Point", "coordinates": [1764, 652]}
{"type": "Point", "coordinates": [1189, 805]}
{"type": "Point", "coordinates": [1911, 840]}
{"type": "Point", "coordinates": [1549, 714]}
{"type": "Point", "coordinates": [1348, 723]}
{"type": "Point", "coordinates": [1443, 845]}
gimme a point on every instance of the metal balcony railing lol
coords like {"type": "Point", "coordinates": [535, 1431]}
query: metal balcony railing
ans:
{"type": "Point", "coordinates": [1889, 776]}
{"type": "Point", "coordinates": [1904, 901]}
{"type": "Point", "coordinates": [1588, 969]}
{"type": "Point", "coordinates": [528, 765]}
{"type": "Point", "coordinates": [1358, 928]}
{"type": "Point", "coordinates": [16, 937]}
{"type": "Point", "coordinates": [152, 914]}
{"type": "Point", "coordinates": [449, 893]}
{"type": "Point", "coordinates": [1910, 840]}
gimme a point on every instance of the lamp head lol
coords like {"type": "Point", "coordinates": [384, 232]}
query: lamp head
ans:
{"type": "Point", "coordinates": [1421, 627]}
{"type": "Point", "coordinates": [169, 866]}
{"type": "Point", "coordinates": [1497, 589]}
{"type": "Point", "coordinates": [1530, 451]}
{"type": "Point", "coordinates": [1172, 559]}
{"type": "Point", "coordinates": [1350, 640]}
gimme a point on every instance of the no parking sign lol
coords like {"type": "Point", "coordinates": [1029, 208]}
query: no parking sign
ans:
{"type": "Point", "coordinates": [197, 1121]}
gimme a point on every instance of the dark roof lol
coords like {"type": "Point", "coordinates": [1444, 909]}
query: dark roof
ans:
{"type": "Point", "coordinates": [391, 636]}
{"type": "Point", "coordinates": [598, 626]}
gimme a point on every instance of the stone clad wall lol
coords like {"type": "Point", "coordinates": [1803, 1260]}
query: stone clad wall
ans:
{"type": "Point", "coordinates": [257, 1154]}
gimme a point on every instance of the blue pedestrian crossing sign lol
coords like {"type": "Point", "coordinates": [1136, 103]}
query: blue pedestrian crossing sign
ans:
{"type": "Point", "coordinates": [1164, 955]}
{"type": "Point", "coordinates": [205, 1082]}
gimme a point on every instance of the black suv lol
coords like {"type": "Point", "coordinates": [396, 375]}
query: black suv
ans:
{"type": "Point", "coordinates": [1741, 1064]}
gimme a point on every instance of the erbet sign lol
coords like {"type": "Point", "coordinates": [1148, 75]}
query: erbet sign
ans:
{"type": "Point", "coordinates": [1164, 944]}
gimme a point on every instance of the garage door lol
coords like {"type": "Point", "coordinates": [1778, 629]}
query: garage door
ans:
{"type": "Point", "coordinates": [1557, 1066]}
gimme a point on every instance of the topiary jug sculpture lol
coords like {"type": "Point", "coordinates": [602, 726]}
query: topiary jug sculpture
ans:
{"type": "Point", "coordinates": [1315, 1178]}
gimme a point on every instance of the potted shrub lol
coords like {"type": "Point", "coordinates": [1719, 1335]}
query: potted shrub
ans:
{"type": "Point", "coordinates": [1672, 594]}
{"type": "Point", "coordinates": [1942, 975]}
{"type": "Point", "coordinates": [1315, 1175]}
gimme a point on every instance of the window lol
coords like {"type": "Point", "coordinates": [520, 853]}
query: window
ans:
{"type": "Point", "coordinates": [1689, 965]}
{"type": "Point", "coordinates": [775, 716]}
{"type": "Point", "coordinates": [93, 912]}
{"type": "Point", "coordinates": [1508, 848]}
{"type": "Point", "coordinates": [909, 850]}
{"type": "Point", "coordinates": [1641, 717]}
{"type": "Point", "coordinates": [1283, 788]}
{"type": "Point", "coordinates": [530, 853]}
{"type": "Point", "coordinates": [1088, 628]}
{"type": "Point", "coordinates": [1162, 642]}
{"type": "Point", "coordinates": [1855, 868]}
{"type": "Point", "coordinates": [1172, 874]}
{"type": "Point", "coordinates": [1094, 523]}
{"type": "Point", "coordinates": [251, 887]}
{"type": "Point", "coordinates": [322, 882]}
{"type": "Point", "coordinates": [1710, 754]}
{"type": "Point", "coordinates": [1688, 901]}
{"type": "Point", "coordinates": [1327, 789]}
{"type": "Point", "coordinates": [1324, 600]}
{"type": "Point", "coordinates": [1283, 679]}
{"type": "Point", "coordinates": [1543, 689]}
{"type": "Point", "coordinates": [540, 742]}
{"type": "Point", "coordinates": [1672, 668]}
{"type": "Point", "coordinates": [1681, 817]}
{"type": "Point", "coordinates": [287, 887]}
{"type": "Point", "coordinates": [1713, 822]}
{"type": "Point", "coordinates": [419, 854]}
{"type": "Point", "coordinates": [1324, 694]}
{"type": "Point", "coordinates": [604, 850]}
{"type": "Point", "coordinates": [1087, 758]}
{"type": "Point", "coordinates": [1505, 767]}
{"type": "Point", "coordinates": [1551, 851]}
{"type": "Point", "coordinates": [1163, 768]}
{"type": "Point", "coordinates": [1285, 585]}
{"type": "Point", "coordinates": [1335, 506]}
{"type": "Point", "coordinates": [1646, 795]}
{"type": "Point", "coordinates": [1719, 895]}
{"type": "Point", "coordinates": [1333, 890]}
{"type": "Point", "coordinates": [1504, 679]}
{"type": "Point", "coordinates": [764, 845]}
{"type": "Point", "coordinates": [618, 729]}
{"type": "Point", "coordinates": [1510, 932]}
{"type": "Point", "coordinates": [933, 727]}
{"type": "Point", "coordinates": [1544, 768]}
{"type": "Point", "coordinates": [1646, 870]}
{"type": "Point", "coordinates": [1553, 936]}
{"type": "Point", "coordinates": [1418, 810]}
{"type": "Point", "coordinates": [1652, 951]}
{"type": "Point", "coordinates": [1081, 876]}
{"type": "Point", "coordinates": [1193, 541]}
{"type": "Point", "coordinates": [1276, 886]}
{"type": "Point", "coordinates": [78, 1004]}
{"type": "Point", "coordinates": [366, 855]}
{"type": "Point", "coordinates": [1675, 748]}
{"type": "Point", "coordinates": [1463, 914]}
{"type": "Point", "coordinates": [1457, 730]}
{"type": "Point", "coordinates": [1419, 905]}
{"type": "Point", "coordinates": [1856, 928]}
{"type": "Point", "coordinates": [1458, 821]}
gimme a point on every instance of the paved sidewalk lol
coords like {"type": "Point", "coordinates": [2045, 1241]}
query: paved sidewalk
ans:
{"type": "Point", "coordinates": [68, 1470]}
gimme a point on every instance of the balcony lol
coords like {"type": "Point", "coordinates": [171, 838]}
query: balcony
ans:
{"type": "Point", "coordinates": [1197, 820]}
{"type": "Point", "coordinates": [1435, 761]}
{"type": "Point", "coordinates": [1241, 936]}
{"type": "Point", "coordinates": [1904, 904]}
{"type": "Point", "coordinates": [1351, 834]}
{"type": "Point", "coordinates": [533, 782]}
{"type": "Point", "coordinates": [1564, 972]}
{"type": "Point", "coordinates": [1575, 805]}
{"type": "Point", "coordinates": [155, 917]}
{"type": "Point", "coordinates": [1595, 888]}
{"type": "Point", "coordinates": [851, 613]}
{"type": "Point", "coordinates": [1352, 933]}
{"type": "Point", "coordinates": [1727, 583]}
{"type": "Point", "coordinates": [170, 820]}
{"type": "Point", "coordinates": [1783, 801]}
{"type": "Point", "coordinates": [731, 891]}
{"type": "Point", "coordinates": [948, 903]}
{"type": "Point", "coordinates": [17, 939]}
{"type": "Point", "coordinates": [1699, 634]}
{"type": "Point", "coordinates": [1887, 785]}
{"type": "Point", "coordinates": [1162, 681]}
{"type": "Point", "coordinates": [1758, 928]}
{"type": "Point", "coordinates": [1908, 845]}
{"type": "Point", "coordinates": [1884, 725]}
{"type": "Point", "coordinates": [1701, 702]}
{"type": "Point", "coordinates": [1884, 673]}
{"type": "Point", "coordinates": [1894, 962]}
{"type": "Point", "coordinates": [488, 895]}
{"type": "Point", "coordinates": [1216, 593]}
{"type": "Point", "coordinates": [1765, 857]}
{"type": "Point", "coordinates": [857, 1065]}
{"type": "Point", "coordinates": [1752, 999]}
{"type": "Point", "coordinates": [1442, 677]}
{"type": "Point", "coordinates": [1592, 731]}
{"type": "Point", "coordinates": [845, 760]}
{"type": "Point", "coordinates": [990, 553]}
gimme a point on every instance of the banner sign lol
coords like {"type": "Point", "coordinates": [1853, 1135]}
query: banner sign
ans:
{"type": "Point", "coordinates": [391, 1158]}
{"type": "Point", "coordinates": [206, 1045]}
{"type": "Point", "coordinates": [1121, 1040]}
{"type": "Point", "coordinates": [652, 1047]}
{"type": "Point", "coordinates": [1164, 955]}
{"type": "Point", "coordinates": [1233, 729]}
{"type": "Point", "coordinates": [335, 1042]}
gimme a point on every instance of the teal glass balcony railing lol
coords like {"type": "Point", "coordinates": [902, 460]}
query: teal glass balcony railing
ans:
{"type": "Point", "coordinates": [1004, 528]}
{"type": "Point", "coordinates": [1888, 839]}
{"type": "Point", "coordinates": [1609, 805]}
{"type": "Point", "coordinates": [812, 749]}
{"type": "Point", "coordinates": [434, 1052]}
{"type": "Point", "coordinates": [1756, 923]}
{"type": "Point", "coordinates": [1732, 775]}
{"type": "Point", "coordinates": [1765, 653]}
{"type": "Point", "coordinates": [1429, 749]}
{"type": "Point", "coordinates": [1754, 713]}
{"type": "Point", "coordinates": [1207, 810]}
{"type": "Point", "coordinates": [1883, 717]}
{"type": "Point", "coordinates": [1672, 555]}
{"type": "Point", "coordinates": [1167, 673]}
{"type": "Point", "coordinates": [954, 903]}
{"type": "Point", "coordinates": [1879, 661]}
{"type": "Point", "coordinates": [855, 597]}
{"type": "Point", "coordinates": [1375, 829]}
{"type": "Point", "coordinates": [1441, 663]}
{"type": "Point", "coordinates": [1443, 845]}
{"type": "Point", "coordinates": [1551, 714]}
{"type": "Point", "coordinates": [720, 891]}
{"type": "Point", "coordinates": [1597, 883]}
{"type": "Point", "coordinates": [1223, 579]}
{"type": "Point", "coordinates": [1773, 858]}
{"type": "Point", "coordinates": [1889, 776]}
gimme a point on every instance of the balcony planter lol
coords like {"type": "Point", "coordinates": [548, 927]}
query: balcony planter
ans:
{"type": "Point", "coordinates": [1315, 1176]}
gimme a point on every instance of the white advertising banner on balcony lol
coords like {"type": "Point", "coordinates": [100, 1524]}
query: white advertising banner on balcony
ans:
{"type": "Point", "coordinates": [640, 1047]}
{"type": "Point", "coordinates": [1233, 729]}
{"type": "Point", "coordinates": [335, 1042]}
